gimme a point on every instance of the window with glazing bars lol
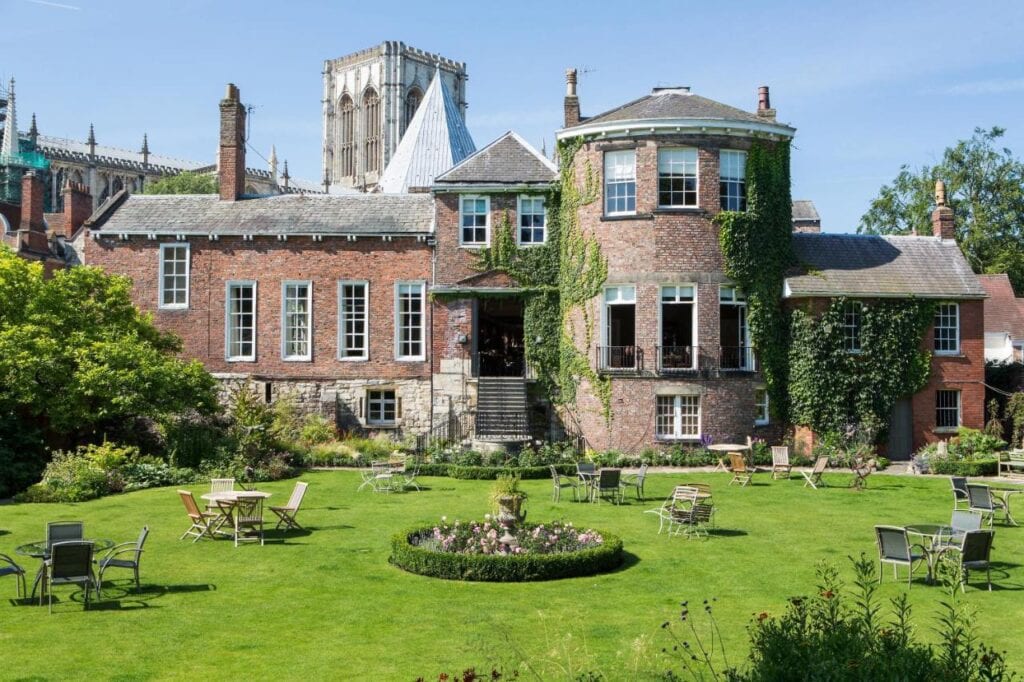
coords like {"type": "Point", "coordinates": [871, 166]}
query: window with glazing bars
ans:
{"type": "Point", "coordinates": [732, 180]}
{"type": "Point", "coordinates": [620, 182]}
{"type": "Point", "coordinates": [473, 217]}
{"type": "Point", "coordinates": [852, 313]}
{"type": "Point", "coordinates": [531, 220]}
{"type": "Point", "coordinates": [352, 312]}
{"type": "Point", "coordinates": [241, 321]}
{"type": "Point", "coordinates": [677, 178]}
{"type": "Point", "coordinates": [678, 416]}
{"type": "Point", "coordinates": [296, 321]}
{"type": "Point", "coordinates": [947, 328]}
{"type": "Point", "coordinates": [382, 407]}
{"type": "Point", "coordinates": [410, 321]}
{"type": "Point", "coordinates": [174, 275]}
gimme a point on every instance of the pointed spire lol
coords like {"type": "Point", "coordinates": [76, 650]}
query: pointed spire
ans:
{"type": "Point", "coordinates": [92, 141]}
{"type": "Point", "coordinates": [544, 147]}
{"type": "Point", "coordinates": [9, 146]}
{"type": "Point", "coordinates": [145, 150]}
{"type": "Point", "coordinates": [435, 140]}
{"type": "Point", "coordinates": [285, 176]}
{"type": "Point", "coordinates": [33, 132]}
{"type": "Point", "coordinates": [272, 162]}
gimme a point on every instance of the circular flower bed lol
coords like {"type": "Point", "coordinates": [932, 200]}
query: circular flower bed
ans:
{"type": "Point", "coordinates": [474, 550]}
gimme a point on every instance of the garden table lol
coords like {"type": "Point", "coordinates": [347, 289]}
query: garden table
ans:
{"type": "Point", "coordinates": [1005, 492]}
{"type": "Point", "coordinates": [40, 550]}
{"type": "Point", "coordinates": [934, 533]}
{"type": "Point", "coordinates": [727, 447]}
{"type": "Point", "coordinates": [226, 502]}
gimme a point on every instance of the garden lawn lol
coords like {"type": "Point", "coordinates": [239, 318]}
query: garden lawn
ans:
{"type": "Point", "coordinates": [326, 604]}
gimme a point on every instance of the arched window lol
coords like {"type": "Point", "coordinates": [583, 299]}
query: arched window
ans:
{"type": "Point", "coordinates": [412, 103]}
{"type": "Point", "coordinates": [347, 128]}
{"type": "Point", "coordinates": [371, 124]}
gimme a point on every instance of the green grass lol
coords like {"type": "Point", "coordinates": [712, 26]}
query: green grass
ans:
{"type": "Point", "coordinates": [328, 605]}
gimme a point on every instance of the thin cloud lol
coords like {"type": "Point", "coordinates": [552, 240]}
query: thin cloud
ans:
{"type": "Point", "coordinates": [58, 5]}
{"type": "Point", "coordinates": [995, 86]}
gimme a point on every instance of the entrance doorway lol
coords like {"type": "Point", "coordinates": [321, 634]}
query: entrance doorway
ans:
{"type": "Point", "coordinates": [499, 338]}
{"type": "Point", "coordinates": [901, 430]}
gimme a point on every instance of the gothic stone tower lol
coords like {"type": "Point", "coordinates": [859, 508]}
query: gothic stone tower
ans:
{"type": "Point", "coordinates": [369, 98]}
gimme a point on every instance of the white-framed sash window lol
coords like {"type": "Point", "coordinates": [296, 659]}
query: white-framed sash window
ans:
{"type": "Point", "coordinates": [296, 320]}
{"type": "Point", "coordinates": [240, 321]}
{"type": "Point", "coordinates": [353, 325]}
{"type": "Point", "coordinates": [174, 276]}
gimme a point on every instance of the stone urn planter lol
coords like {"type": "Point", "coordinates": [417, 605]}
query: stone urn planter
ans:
{"type": "Point", "coordinates": [510, 509]}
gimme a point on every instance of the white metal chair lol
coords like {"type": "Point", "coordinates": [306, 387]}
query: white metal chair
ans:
{"type": "Point", "coordinates": [979, 499]}
{"type": "Point", "coordinates": [895, 548]}
{"type": "Point", "coordinates": [63, 531]}
{"type": "Point", "coordinates": [286, 514]}
{"type": "Point", "coordinates": [559, 481]}
{"type": "Point", "coordinates": [635, 481]}
{"type": "Point", "coordinates": [972, 553]}
{"type": "Point", "coordinates": [9, 567]}
{"type": "Point", "coordinates": [959, 486]}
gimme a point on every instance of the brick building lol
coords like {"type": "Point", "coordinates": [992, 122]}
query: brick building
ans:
{"type": "Point", "coordinates": [373, 307]}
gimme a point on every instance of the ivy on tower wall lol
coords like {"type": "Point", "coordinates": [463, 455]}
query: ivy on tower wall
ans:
{"type": "Point", "coordinates": [757, 250]}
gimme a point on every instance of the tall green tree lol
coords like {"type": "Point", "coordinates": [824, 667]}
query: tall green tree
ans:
{"type": "Point", "coordinates": [78, 359]}
{"type": "Point", "coordinates": [184, 183]}
{"type": "Point", "coordinates": [985, 188]}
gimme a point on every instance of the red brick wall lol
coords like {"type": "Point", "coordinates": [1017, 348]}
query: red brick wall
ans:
{"type": "Point", "coordinates": [270, 262]}
{"type": "Point", "coordinates": [456, 262]}
{"type": "Point", "coordinates": [964, 372]}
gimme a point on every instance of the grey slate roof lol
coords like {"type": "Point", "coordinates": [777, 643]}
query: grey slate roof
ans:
{"type": "Point", "coordinates": [673, 104]}
{"type": "Point", "coordinates": [873, 266]}
{"type": "Point", "coordinates": [509, 160]}
{"type": "Point", "coordinates": [804, 210]}
{"type": "Point", "coordinates": [285, 214]}
{"type": "Point", "coordinates": [436, 140]}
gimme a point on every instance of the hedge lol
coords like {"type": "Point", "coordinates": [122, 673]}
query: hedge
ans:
{"type": "Point", "coordinates": [988, 466]}
{"type": "Point", "coordinates": [506, 569]}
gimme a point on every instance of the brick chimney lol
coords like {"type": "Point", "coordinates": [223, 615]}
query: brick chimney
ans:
{"type": "Point", "coordinates": [572, 102]}
{"type": "Point", "coordinates": [231, 167]}
{"type": "Point", "coordinates": [943, 225]}
{"type": "Point", "coordinates": [77, 207]}
{"type": "Point", "coordinates": [33, 227]}
{"type": "Point", "coordinates": [764, 104]}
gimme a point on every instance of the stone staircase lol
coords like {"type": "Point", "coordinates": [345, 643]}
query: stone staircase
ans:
{"type": "Point", "coordinates": [501, 411]}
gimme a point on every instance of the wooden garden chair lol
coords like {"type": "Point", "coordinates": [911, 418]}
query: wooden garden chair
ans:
{"type": "Point", "coordinates": [813, 477]}
{"type": "Point", "coordinates": [741, 473]}
{"type": "Point", "coordinates": [286, 514]}
{"type": "Point", "coordinates": [202, 521]}
{"type": "Point", "coordinates": [780, 461]}
{"type": "Point", "coordinates": [861, 471]}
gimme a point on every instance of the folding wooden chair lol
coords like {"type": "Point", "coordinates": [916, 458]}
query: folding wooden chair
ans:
{"type": "Point", "coordinates": [286, 514]}
{"type": "Point", "coordinates": [861, 471]}
{"type": "Point", "coordinates": [813, 478]}
{"type": "Point", "coordinates": [780, 461]}
{"type": "Point", "coordinates": [248, 518]}
{"type": "Point", "coordinates": [740, 472]}
{"type": "Point", "coordinates": [202, 522]}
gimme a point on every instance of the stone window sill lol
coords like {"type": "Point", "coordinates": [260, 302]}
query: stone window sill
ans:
{"type": "Point", "coordinates": [946, 429]}
{"type": "Point", "coordinates": [618, 218]}
{"type": "Point", "coordinates": [680, 210]}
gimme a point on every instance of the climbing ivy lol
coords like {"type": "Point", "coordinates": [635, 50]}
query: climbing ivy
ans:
{"type": "Point", "coordinates": [757, 248]}
{"type": "Point", "coordinates": [559, 280]}
{"type": "Point", "coordinates": [831, 388]}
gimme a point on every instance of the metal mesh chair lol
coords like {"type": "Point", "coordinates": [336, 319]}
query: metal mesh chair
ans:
{"type": "Point", "coordinates": [607, 486]}
{"type": "Point", "coordinates": [559, 481]}
{"type": "Point", "coordinates": [979, 499]}
{"type": "Point", "coordinates": [894, 548]}
{"type": "Point", "coordinates": [635, 481]}
{"type": "Point", "coordinates": [70, 563]}
{"type": "Point", "coordinates": [972, 553]}
{"type": "Point", "coordinates": [286, 514]}
{"type": "Point", "coordinates": [63, 531]}
{"type": "Point", "coordinates": [9, 567]}
{"type": "Point", "coordinates": [959, 486]}
{"type": "Point", "coordinates": [125, 555]}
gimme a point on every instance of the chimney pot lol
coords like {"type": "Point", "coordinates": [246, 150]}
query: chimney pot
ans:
{"type": "Point", "coordinates": [763, 99]}
{"type": "Point", "coordinates": [570, 82]}
{"type": "Point", "coordinates": [943, 222]}
{"type": "Point", "coordinates": [572, 102]}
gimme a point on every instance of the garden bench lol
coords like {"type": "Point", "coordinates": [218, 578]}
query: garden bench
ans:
{"type": "Point", "coordinates": [1013, 464]}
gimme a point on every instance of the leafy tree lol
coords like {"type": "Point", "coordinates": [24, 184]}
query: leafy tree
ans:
{"type": "Point", "coordinates": [985, 188]}
{"type": "Point", "coordinates": [77, 359]}
{"type": "Point", "coordinates": [184, 183]}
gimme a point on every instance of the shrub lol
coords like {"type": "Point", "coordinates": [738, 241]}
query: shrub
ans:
{"type": "Point", "coordinates": [191, 438]}
{"type": "Point", "coordinates": [317, 430]}
{"type": "Point", "coordinates": [481, 473]}
{"type": "Point", "coordinates": [948, 466]}
{"type": "Point", "coordinates": [424, 560]}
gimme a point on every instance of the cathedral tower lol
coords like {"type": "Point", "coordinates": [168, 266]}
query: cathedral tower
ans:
{"type": "Point", "coordinates": [369, 99]}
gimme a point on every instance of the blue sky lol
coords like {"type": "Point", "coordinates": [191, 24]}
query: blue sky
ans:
{"type": "Point", "coordinates": [868, 85]}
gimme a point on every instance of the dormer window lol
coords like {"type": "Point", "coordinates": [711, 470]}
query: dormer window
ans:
{"type": "Point", "coordinates": [732, 180]}
{"type": "Point", "coordinates": [620, 182]}
{"type": "Point", "coordinates": [677, 178]}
